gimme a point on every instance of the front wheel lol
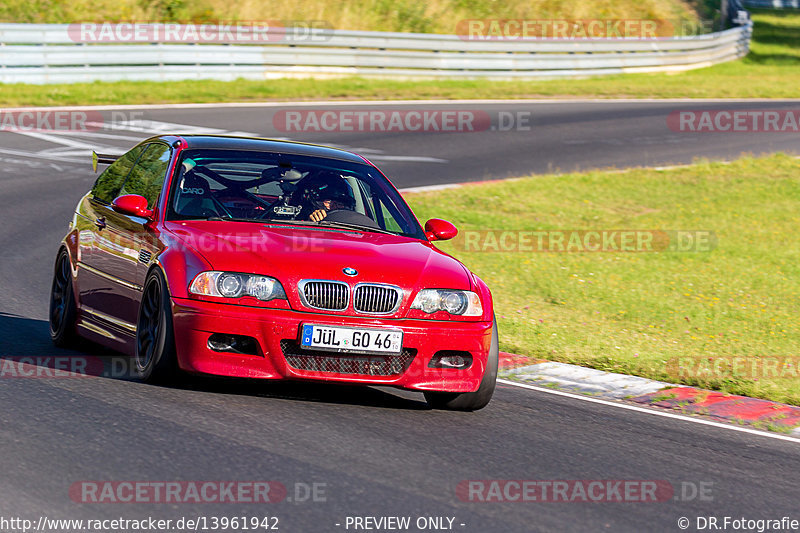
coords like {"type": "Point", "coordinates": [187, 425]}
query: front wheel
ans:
{"type": "Point", "coordinates": [471, 401]}
{"type": "Point", "coordinates": [155, 359]}
{"type": "Point", "coordinates": [62, 304]}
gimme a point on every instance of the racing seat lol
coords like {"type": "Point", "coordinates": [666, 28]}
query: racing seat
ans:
{"type": "Point", "coordinates": [194, 197]}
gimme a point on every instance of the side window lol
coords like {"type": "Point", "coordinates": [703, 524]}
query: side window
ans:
{"type": "Point", "coordinates": [108, 185]}
{"type": "Point", "coordinates": [147, 177]}
{"type": "Point", "coordinates": [389, 221]}
{"type": "Point", "coordinates": [383, 216]}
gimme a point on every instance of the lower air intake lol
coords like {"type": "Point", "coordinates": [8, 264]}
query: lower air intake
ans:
{"type": "Point", "coordinates": [339, 363]}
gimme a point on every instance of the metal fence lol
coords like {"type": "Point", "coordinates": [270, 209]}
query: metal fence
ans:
{"type": "Point", "coordinates": [773, 4]}
{"type": "Point", "coordinates": [49, 53]}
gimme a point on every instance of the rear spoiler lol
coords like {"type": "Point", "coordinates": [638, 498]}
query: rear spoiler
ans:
{"type": "Point", "coordinates": [103, 159]}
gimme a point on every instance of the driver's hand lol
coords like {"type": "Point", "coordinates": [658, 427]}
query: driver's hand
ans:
{"type": "Point", "coordinates": [318, 215]}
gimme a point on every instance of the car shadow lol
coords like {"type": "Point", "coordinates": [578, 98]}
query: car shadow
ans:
{"type": "Point", "coordinates": [335, 393]}
{"type": "Point", "coordinates": [26, 351]}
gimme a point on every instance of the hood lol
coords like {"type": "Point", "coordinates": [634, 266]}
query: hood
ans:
{"type": "Point", "coordinates": [292, 253]}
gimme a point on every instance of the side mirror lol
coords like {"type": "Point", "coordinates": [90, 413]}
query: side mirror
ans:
{"type": "Point", "coordinates": [132, 204]}
{"type": "Point", "coordinates": [437, 229]}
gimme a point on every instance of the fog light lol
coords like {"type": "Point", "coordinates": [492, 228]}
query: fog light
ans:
{"type": "Point", "coordinates": [220, 342]}
{"type": "Point", "coordinates": [451, 359]}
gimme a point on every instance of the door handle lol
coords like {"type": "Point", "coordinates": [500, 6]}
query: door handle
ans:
{"type": "Point", "coordinates": [100, 223]}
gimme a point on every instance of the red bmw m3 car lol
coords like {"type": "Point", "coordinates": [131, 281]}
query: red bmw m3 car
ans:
{"type": "Point", "coordinates": [268, 259]}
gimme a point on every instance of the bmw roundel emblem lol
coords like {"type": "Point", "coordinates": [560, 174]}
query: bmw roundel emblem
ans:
{"type": "Point", "coordinates": [350, 271]}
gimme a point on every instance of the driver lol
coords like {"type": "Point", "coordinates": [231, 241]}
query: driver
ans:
{"type": "Point", "coordinates": [327, 192]}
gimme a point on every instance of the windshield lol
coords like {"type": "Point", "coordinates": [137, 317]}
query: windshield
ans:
{"type": "Point", "coordinates": [286, 188]}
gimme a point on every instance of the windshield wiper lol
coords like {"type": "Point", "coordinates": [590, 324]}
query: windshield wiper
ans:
{"type": "Point", "coordinates": [227, 218]}
{"type": "Point", "coordinates": [307, 223]}
{"type": "Point", "coordinates": [347, 225]}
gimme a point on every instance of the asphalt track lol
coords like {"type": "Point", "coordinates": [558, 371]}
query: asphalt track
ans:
{"type": "Point", "coordinates": [376, 452]}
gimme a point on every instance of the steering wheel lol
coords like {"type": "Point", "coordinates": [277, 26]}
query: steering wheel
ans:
{"type": "Point", "coordinates": [347, 216]}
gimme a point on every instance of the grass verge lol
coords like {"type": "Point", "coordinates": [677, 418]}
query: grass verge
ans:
{"type": "Point", "coordinates": [770, 71]}
{"type": "Point", "coordinates": [724, 319]}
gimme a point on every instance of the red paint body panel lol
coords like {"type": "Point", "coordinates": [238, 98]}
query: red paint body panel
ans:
{"type": "Point", "coordinates": [195, 321]}
{"type": "Point", "coordinates": [293, 254]}
{"type": "Point", "coordinates": [437, 229]}
{"type": "Point", "coordinates": [132, 204]}
{"type": "Point", "coordinates": [109, 271]}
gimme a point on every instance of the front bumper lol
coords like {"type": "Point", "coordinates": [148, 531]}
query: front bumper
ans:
{"type": "Point", "coordinates": [195, 321]}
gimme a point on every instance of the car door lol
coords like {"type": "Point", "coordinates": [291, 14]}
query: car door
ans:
{"type": "Point", "coordinates": [96, 283]}
{"type": "Point", "coordinates": [128, 244]}
{"type": "Point", "coordinates": [147, 179]}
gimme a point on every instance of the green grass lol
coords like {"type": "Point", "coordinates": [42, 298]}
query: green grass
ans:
{"type": "Point", "coordinates": [638, 313]}
{"type": "Point", "coordinates": [772, 70]}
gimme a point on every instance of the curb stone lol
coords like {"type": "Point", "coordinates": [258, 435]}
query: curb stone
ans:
{"type": "Point", "coordinates": [742, 410]}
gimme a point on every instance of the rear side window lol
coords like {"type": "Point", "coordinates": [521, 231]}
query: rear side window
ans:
{"type": "Point", "coordinates": [147, 176]}
{"type": "Point", "coordinates": [108, 185]}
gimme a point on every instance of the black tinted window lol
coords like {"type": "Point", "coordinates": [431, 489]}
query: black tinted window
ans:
{"type": "Point", "coordinates": [263, 186]}
{"type": "Point", "coordinates": [147, 177]}
{"type": "Point", "coordinates": [108, 185]}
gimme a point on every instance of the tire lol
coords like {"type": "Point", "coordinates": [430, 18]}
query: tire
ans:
{"type": "Point", "coordinates": [154, 359]}
{"type": "Point", "coordinates": [471, 401]}
{"type": "Point", "coordinates": [63, 313]}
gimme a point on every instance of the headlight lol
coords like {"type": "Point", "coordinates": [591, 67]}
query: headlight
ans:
{"type": "Point", "coordinates": [234, 285]}
{"type": "Point", "coordinates": [464, 303]}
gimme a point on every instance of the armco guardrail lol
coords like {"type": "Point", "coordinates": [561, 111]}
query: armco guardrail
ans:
{"type": "Point", "coordinates": [773, 4]}
{"type": "Point", "coordinates": [48, 53]}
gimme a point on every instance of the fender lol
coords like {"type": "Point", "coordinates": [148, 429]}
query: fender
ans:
{"type": "Point", "coordinates": [486, 297]}
{"type": "Point", "coordinates": [180, 264]}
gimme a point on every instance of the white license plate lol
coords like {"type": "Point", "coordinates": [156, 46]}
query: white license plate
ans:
{"type": "Point", "coordinates": [354, 340]}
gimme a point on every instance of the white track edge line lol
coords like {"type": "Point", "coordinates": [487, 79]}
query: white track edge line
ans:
{"type": "Point", "coordinates": [445, 186]}
{"type": "Point", "coordinates": [651, 411]}
{"type": "Point", "coordinates": [343, 103]}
